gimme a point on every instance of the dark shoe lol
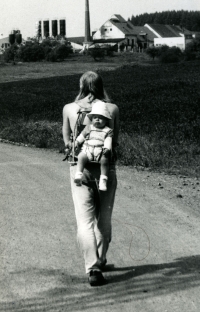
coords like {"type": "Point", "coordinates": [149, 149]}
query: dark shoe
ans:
{"type": "Point", "coordinates": [96, 278]}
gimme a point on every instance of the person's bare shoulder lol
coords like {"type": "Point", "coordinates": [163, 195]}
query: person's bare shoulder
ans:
{"type": "Point", "coordinates": [70, 108]}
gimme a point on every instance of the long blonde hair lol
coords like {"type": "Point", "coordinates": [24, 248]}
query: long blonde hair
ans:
{"type": "Point", "coordinates": [92, 83]}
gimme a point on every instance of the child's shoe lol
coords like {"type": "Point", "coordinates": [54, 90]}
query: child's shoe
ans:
{"type": "Point", "coordinates": [78, 178]}
{"type": "Point", "coordinates": [103, 183]}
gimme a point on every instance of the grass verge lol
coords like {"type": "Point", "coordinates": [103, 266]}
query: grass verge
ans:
{"type": "Point", "coordinates": [159, 112]}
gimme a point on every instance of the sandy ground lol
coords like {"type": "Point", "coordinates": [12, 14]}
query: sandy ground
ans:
{"type": "Point", "coordinates": [153, 260]}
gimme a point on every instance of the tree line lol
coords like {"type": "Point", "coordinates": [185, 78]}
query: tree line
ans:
{"type": "Point", "coordinates": [49, 50]}
{"type": "Point", "coordinates": [186, 19]}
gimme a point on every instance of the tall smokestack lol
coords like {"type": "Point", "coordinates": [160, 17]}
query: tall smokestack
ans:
{"type": "Point", "coordinates": [87, 24]}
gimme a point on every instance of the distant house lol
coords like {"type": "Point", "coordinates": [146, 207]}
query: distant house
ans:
{"type": "Point", "coordinates": [118, 31]}
{"type": "Point", "coordinates": [4, 44]}
{"type": "Point", "coordinates": [170, 35]}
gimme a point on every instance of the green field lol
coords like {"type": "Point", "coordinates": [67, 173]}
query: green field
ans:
{"type": "Point", "coordinates": [159, 108]}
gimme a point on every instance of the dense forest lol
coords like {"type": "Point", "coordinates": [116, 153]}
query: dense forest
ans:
{"type": "Point", "coordinates": [187, 19]}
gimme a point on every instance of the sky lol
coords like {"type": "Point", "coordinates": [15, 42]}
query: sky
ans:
{"type": "Point", "coordinates": [23, 14]}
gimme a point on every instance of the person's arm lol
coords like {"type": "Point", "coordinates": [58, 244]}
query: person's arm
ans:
{"type": "Point", "coordinates": [66, 130]}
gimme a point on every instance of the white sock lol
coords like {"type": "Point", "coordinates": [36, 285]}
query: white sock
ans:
{"type": "Point", "coordinates": [79, 173]}
{"type": "Point", "coordinates": [103, 177]}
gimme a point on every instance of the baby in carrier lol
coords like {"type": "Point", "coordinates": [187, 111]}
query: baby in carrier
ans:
{"type": "Point", "coordinates": [96, 141]}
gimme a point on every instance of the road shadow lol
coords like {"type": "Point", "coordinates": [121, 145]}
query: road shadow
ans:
{"type": "Point", "coordinates": [65, 292]}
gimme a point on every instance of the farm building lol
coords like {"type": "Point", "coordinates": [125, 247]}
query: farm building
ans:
{"type": "Point", "coordinates": [121, 32]}
{"type": "Point", "coordinates": [4, 44]}
{"type": "Point", "coordinates": [118, 31]}
{"type": "Point", "coordinates": [170, 35]}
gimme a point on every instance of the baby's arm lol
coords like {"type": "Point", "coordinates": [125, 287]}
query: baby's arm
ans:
{"type": "Point", "coordinates": [108, 143]}
{"type": "Point", "coordinates": [81, 138]}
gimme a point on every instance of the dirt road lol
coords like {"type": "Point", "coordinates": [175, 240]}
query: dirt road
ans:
{"type": "Point", "coordinates": [154, 258]}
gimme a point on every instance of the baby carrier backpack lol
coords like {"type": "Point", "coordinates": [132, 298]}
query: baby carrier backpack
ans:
{"type": "Point", "coordinates": [72, 153]}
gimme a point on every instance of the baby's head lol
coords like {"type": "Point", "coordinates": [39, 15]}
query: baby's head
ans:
{"type": "Point", "coordinates": [99, 121]}
{"type": "Point", "coordinates": [99, 114]}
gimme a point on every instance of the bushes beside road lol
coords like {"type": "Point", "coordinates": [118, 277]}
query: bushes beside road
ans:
{"type": "Point", "coordinates": [42, 134]}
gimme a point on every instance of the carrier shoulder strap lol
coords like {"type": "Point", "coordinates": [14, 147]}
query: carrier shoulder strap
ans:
{"type": "Point", "coordinates": [80, 120]}
{"type": "Point", "coordinates": [79, 126]}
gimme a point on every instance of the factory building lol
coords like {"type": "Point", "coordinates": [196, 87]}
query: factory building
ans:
{"type": "Point", "coordinates": [50, 28]}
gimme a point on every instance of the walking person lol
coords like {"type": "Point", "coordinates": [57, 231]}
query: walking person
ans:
{"type": "Point", "coordinates": [93, 207]}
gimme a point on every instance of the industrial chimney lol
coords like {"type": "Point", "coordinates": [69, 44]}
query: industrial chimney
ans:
{"type": "Point", "coordinates": [87, 41]}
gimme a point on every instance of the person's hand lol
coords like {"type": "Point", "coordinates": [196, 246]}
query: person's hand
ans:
{"type": "Point", "coordinates": [67, 152]}
{"type": "Point", "coordinates": [68, 148]}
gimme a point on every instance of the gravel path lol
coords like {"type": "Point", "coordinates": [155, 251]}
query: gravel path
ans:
{"type": "Point", "coordinates": [154, 258]}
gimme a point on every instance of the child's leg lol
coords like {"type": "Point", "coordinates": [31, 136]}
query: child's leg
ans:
{"type": "Point", "coordinates": [104, 161]}
{"type": "Point", "coordinates": [104, 173]}
{"type": "Point", "coordinates": [82, 160]}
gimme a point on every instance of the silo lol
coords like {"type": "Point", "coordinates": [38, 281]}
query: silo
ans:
{"type": "Point", "coordinates": [38, 29]}
{"type": "Point", "coordinates": [18, 38]}
{"type": "Point", "coordinates": [54, 28]}
{"type": "Point", "coordinates": [46, 28]}
{"type": "Point", "coordinates": [12, 39]}
{"type": "Point", "coordinates": [62, 27]}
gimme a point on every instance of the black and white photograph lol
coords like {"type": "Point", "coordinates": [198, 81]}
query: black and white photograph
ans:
{"type": "Point", "coordinates": [99, 156]}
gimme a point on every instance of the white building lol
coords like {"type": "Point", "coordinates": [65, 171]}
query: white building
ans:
{"type": "Point", "coordinates": [4, 44]}
{"type": "Point", "coordinates": [117, 30]}
{"type": "Point", "coordinates": [170, 35]}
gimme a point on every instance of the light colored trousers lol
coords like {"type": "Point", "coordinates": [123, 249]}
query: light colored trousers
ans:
{"type": "Point", "coordinates": [93, 210]}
